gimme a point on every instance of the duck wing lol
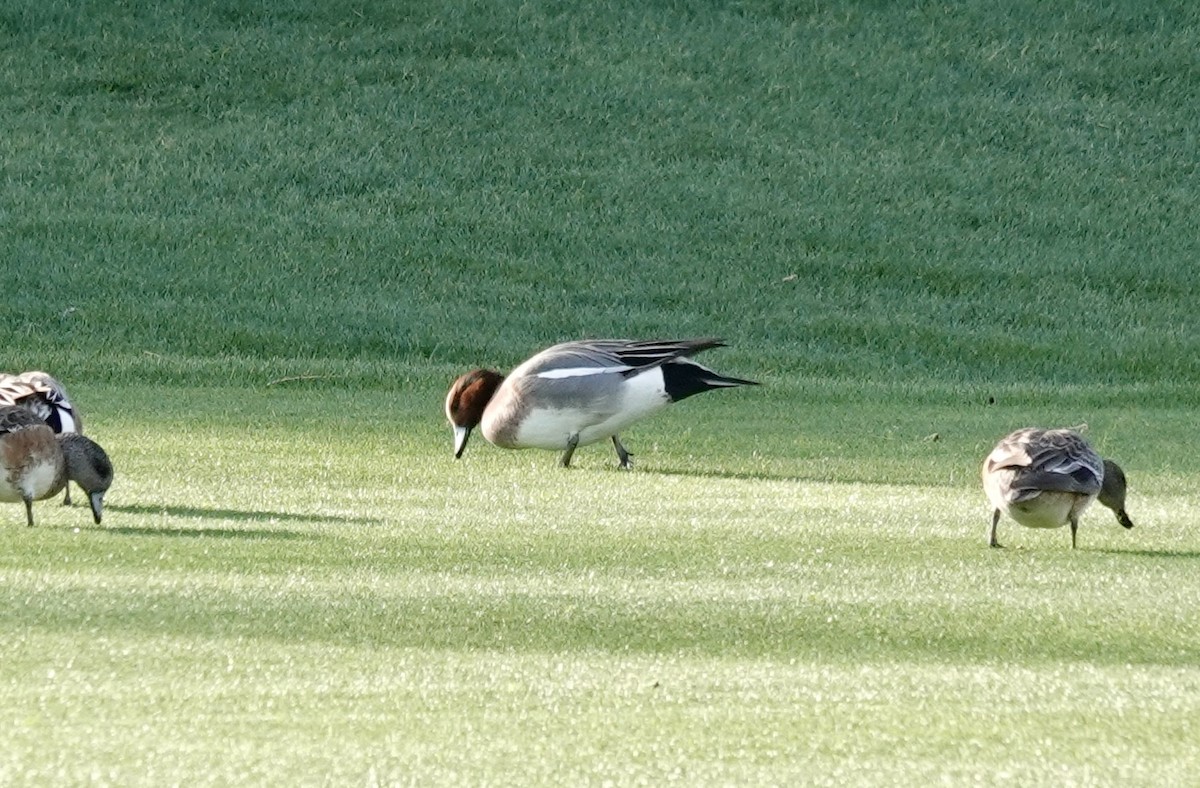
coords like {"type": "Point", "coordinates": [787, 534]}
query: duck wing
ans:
{"type": "Point", "coordinates": [14, 418]}
{"type": "Point", "coordinates": [621, 356]}
{"type": "Point", "coordinates": [1048, 460]}
{"type": "Point", "coordinates": [653, 353]}
{"type": "Point", "coordinates": [44, 396]}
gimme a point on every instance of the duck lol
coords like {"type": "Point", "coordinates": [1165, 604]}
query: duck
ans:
{"type": "Point", "coordinates": [578, 393]}
{"type": "Point", "coordinates": [35, 463]}
{"type": "Point", "coordinates": [46, 398]}
{"type": "Point", "coordinates": [1047, 478]}
{"type": "Point", "coordinates": [40, 393]}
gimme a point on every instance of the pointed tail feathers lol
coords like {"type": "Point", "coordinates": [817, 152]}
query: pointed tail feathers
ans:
{"type": "Point", "coordinates": [683, 378]}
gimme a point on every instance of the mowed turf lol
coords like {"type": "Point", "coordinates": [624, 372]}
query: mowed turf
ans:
{"type": "Point", "coordinates": [274, 598]}
{"type": "Point", "coordinates": [258, 240]}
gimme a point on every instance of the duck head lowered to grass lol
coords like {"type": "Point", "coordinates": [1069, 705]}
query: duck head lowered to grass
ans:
{"type": "Point", "coordinates": [35, 463]}
{"type": "Point", "coordinates": [577, 393]}
{"type": "Point", "coordinates": [1047, 478]}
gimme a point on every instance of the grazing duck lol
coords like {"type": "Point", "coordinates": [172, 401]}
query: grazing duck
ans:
{"type": "Point", "coordinates": [578, 393]}
{"type": "Point", "coordinates": [46, 398]}
{"type": "Point", "coordinates": [1047, 478]}
{"type": "Point", "coordinates": [35, 463]}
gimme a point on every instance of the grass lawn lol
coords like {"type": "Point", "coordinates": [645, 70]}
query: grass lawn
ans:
{"type": "Point", "coordinates": [258, 240]}
{"type": "Point", "coordinates": [276, 598]}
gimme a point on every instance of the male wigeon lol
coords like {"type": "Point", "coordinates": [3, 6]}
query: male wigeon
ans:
{"type": "Point", "coordinates": [35, 463]}
{"type": "Point", "coordinates": [1047, 478]}
{"type": "Point", "coordinates": [44, 396]}
{"type": "Point", "coordinates": [578, 393]}
{"type": "Point", "coordinates": [47, 399]}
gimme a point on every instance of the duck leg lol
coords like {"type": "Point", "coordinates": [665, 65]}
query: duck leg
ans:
{"type": "Point", "coordinates": [1074, 527]}
{"type": "Point", "coordinates": [992, 535]}
{"type": "Point", "coordinates": [572, 442]}
{"type": "Point", "coordinates": [622, 454]}
{"type": "Point", "coordinates": [67, 496]}
{"type": "Point", "coordinates": [28, 512]}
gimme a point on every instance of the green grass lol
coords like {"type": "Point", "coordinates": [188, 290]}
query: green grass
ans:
{"type": "Point", "coordinates": [905, 190]}
{"type": "Point", "coordinates": [277, 598]}
{"type": "Point", "coordinates": [258, 239]}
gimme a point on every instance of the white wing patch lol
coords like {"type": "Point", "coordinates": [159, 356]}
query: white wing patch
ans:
{"type": "Point", "coordinates": [579, 372]}
{"type": "Point", "coordinates": [68, 423]}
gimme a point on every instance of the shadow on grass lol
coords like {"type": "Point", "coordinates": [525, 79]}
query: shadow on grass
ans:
{"type": "Point", "coordinates": [205, 513]}
{"type": "Point", "coordinates": [205, 533]}
{"type": "Point", "coordinates": [815, 478]}
{"type": "Point", "coordinates": [568, 623]}
{"type": "Point", "coordinates": [718, 474]}
{"type": "Point", "coordinates": [1185, 554]}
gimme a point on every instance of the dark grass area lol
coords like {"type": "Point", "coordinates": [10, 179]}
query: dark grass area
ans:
{"type": "Point", "coordinates": [915, 191]}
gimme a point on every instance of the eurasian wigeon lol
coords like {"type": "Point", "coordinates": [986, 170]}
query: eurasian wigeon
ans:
{"type": "Point", "coordinates": [1047, 478]}
{"type": "Point", "coordinates": [577, 393]}
{"type": "Point", "coordinates": [47, 399]}
{"type": "Point", "coordinates": [35, 463]}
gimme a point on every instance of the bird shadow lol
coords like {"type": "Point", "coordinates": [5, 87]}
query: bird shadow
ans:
{"type": "Point", "coordinates": [767, 476]}
{"type": "Point", "coordinates": [204, 533]}
{"type": "Point", "coordinates": [1185, 554]}
{"type": "Point", "coordinates": [706, 474]}
{"type": "Point", "coordinates": [208, 513]}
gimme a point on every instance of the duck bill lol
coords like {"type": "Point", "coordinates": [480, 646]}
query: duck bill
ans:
{"type": "Point", "coordinates": [460, 440]}
{"type": "Point", "coordinates": [96, 499]}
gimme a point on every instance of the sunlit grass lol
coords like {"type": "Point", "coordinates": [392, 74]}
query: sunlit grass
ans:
{"type": "Point", "coordinates": [290, 600]}
{"type": "Point", "coordinates": [257, 240]}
